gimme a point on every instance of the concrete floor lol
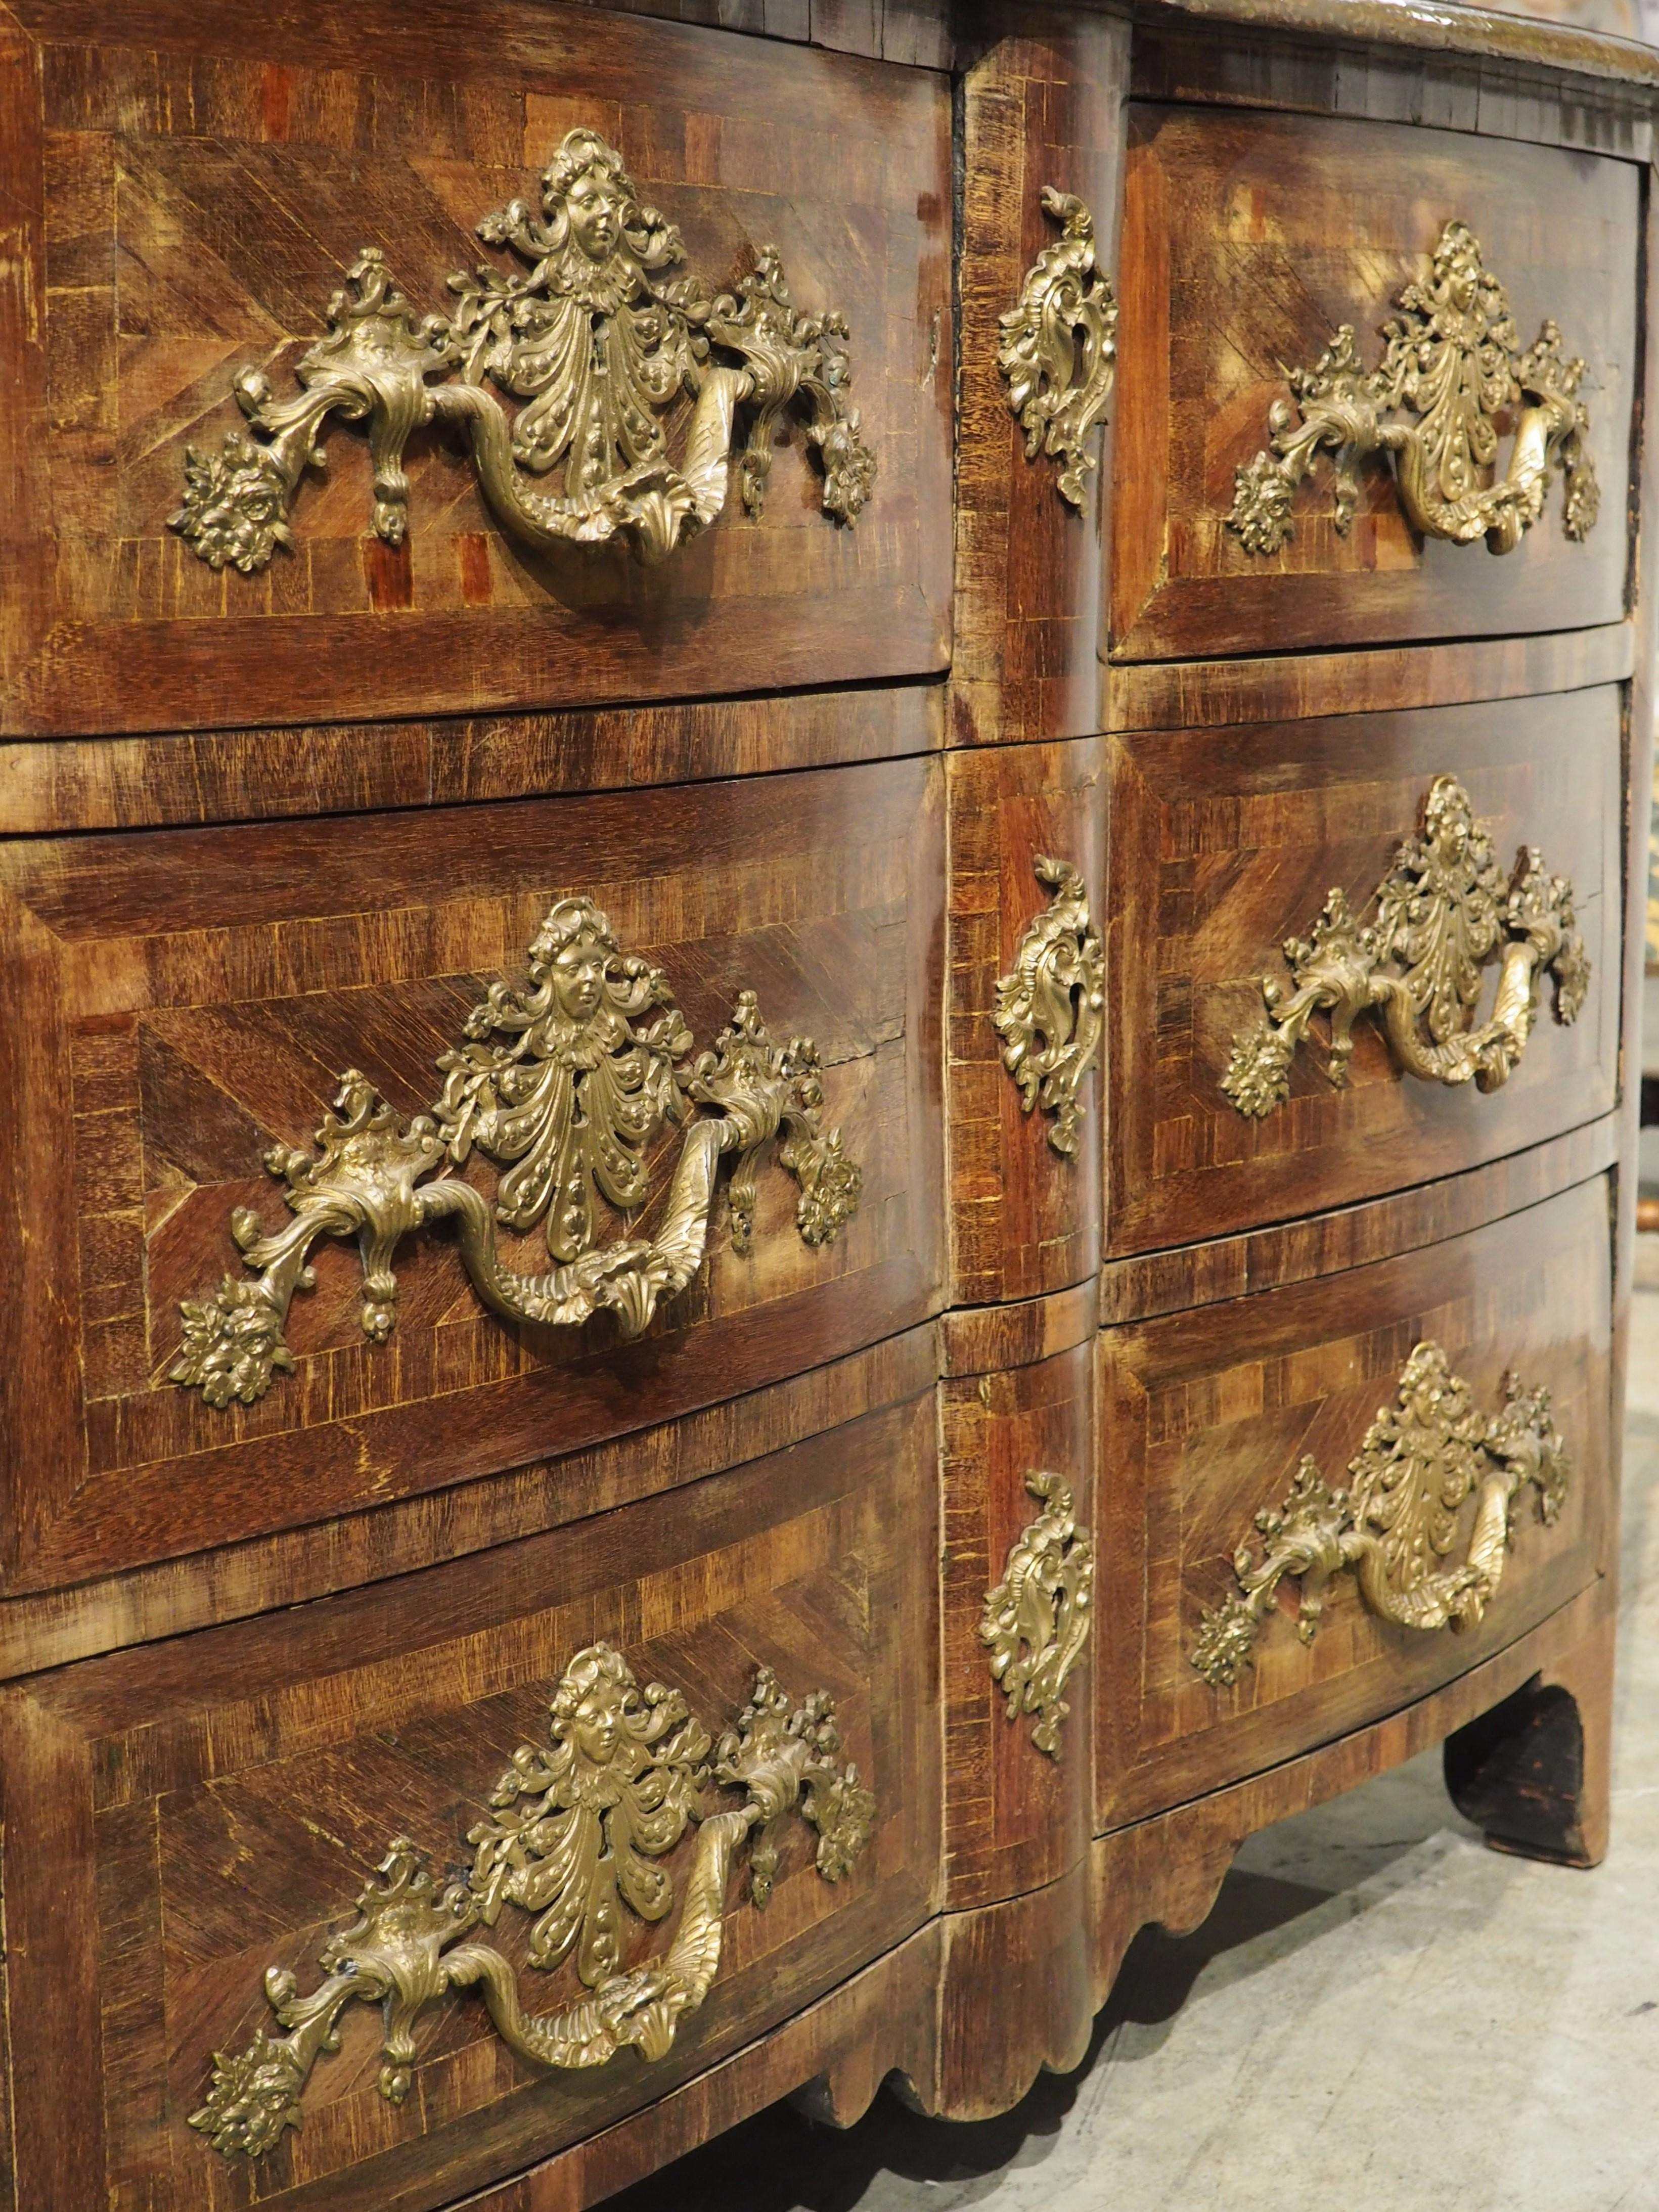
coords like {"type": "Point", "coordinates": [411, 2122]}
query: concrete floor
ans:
{"type": "Point", "coordinates": [1381, 2015]}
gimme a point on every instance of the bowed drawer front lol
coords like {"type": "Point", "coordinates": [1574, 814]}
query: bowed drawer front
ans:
{"type": "Point", "coordinates": [661, 1872]}
{"type": "Point", "coordinates": [701, 292]}
{"type": "Point", "coordinates": [534, 1123]}
{"type": "Point", "coordinates": [1305, 1495]}
{"type": "Point", "coordinates": [1254, 242]}
{"type": "Point", "coordinates": [1272, 1054]}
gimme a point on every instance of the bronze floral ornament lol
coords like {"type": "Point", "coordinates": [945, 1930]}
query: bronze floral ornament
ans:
{"type": "Point", "coordinates": [601, 337]}
{"type": "Point", "coordinates": [1037, 1619]}
{"type": "Point", "coordinates": [576, 1835]}
{"type": "Point", "coordinates": [1059, 349]}
{"type": "Point", "coordinates": [562, 1085]}
{"type": "Point", "coordinates": [1452, 366]}
{"type": "Point", "coordinates": [1442, 915]}
{"type": "Point", "coordinates": [1050, 1008]}
{"type": "Point", "coordinates": [1395, 1526]}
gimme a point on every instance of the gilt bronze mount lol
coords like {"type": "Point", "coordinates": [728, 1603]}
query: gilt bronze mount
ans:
{"type": "Point", "coordinates": [1059, 349]}
{"type": "Point", "coordinates": [1442, 915]}
{"type": "Point", "coordinates": [1050, 1008]}
{"type": "Point", "coordinates": [1395, 1524]}
{"type": "Point", "coordinates": [599, 336]}
{"type": "Point", "coordinates": [1452, 366]}
{"type": "Point", "coordinates": [576, 1831]}
{"type": "Point", "coordinates": [1036, 1619]}
{"type": "Point", "coordinates": [562, 1085]}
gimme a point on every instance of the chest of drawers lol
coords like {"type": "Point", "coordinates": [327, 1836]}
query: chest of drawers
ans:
{"type": "Point", "coordinates": [816, 978]}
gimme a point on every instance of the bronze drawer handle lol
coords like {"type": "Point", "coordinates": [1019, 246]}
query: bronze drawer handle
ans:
{"type": "Point", "coordinates": [592, 1068]}
{"type": "Point", "coordinates": [1441, 915]}
{"type": "Point", "coordinates": [599, 339]}
{"type": "Point", "coordinates": [575, 1828]}
{"type": "Point", "coordinates": [1044, 1602]}
{"type": "Point", "coordinates": [1055, 992]}
{"type": "Point", "coordinates": [1452, 361]}
{"type": "Point", "coordinates": [1422, 1457]}
{"type": "Point", "coordinates": [1059, 349]}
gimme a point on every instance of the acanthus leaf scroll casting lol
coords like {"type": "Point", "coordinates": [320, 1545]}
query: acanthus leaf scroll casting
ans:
{"type": "Point", "coordinates": [1059, 349]}
{"type": "Point", "coordinates": [1452, 367]}
{"type": "Point", "coordinates": [562, 1085]}
{"type": "Point", "coordinates": [598, 337]}
{"type": "Point", "coordinates": [1438, 919]}
{"type": "Point", "coordinates": [1395, 1523]}
{"type": "Point", "coordinates": [1036, 1619]}
{"type": "Point", "coordinates": [1050, 1008]}
{"type": "Point", "coordinates": [577, 1832]}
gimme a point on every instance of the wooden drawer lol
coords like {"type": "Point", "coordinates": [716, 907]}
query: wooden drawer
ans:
{"type": "Point", "coordinates": [174, 1001]}
{"type": "Point", "coordinates": [180, 1818]}
{"type": "Point", "coordinates": [192, 191]}
{"type": "Point", "coordinates": [1209, 1419]}
{"type": "Point", "coordinates": [1225, 843]}
{"type": "Point", "coordinates": [1249, 241]}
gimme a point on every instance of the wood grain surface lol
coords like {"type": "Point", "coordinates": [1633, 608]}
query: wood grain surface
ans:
{"type": "Point", "coordinates": [1223, 843]}
{"type": "Point", "coordinates": [1024, 1220]}
{"type": "Point", "coordinates": [1247, 239]}
{"type": "Point", "coordinates": [1042, 104]}
{"type": "Point", "coordinates": [179, 1818]}
{"type": "Point", "coordinates": [192, 189]}
{"type": "Point", "coordinates": [1015, 1818]}
{"type": "Point", "coordinates": [176, 1000]}
{"type": "Point", "coordinates": [191, 780]}
{"type": "Point", "coordinates": [1203, 1417]}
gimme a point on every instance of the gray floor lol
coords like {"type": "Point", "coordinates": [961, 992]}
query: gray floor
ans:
{"type": "Point", "coordinates": [1381, 2015]}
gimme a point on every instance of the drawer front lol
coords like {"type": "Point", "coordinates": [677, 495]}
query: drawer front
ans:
{"type": "Point", "coordinates": [1389, 1384]}
{"type": "Point", "coordinates": [1251, 240]}
{"type": "Point", "coordinates": [182, 1818]}
{"type": "Point", "coordinates": [652, 1211]}
{"type": "Point", "coordinates": [199, 189]}
{"type": "Point", "coordinates": [1225, 844]}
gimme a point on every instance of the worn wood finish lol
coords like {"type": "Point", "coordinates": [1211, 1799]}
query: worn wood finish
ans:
{"type": "Point", "coordinates": [1215, 695]}
{"type": "Point", "coordinates": [203, 181]}
{"type": "Point", "coordinates": [1040, 106]}
{"type": "Point", "coordinates": [978, 1340]}
{"type": "Point", "coordinates": [1535, 1771]}
{"type": "Point", "coordinates": [193, 781]}
{"type": "Point", "coordinates": [1014, 1817]}
{"type": "Point", "coordinates": [1223, 844]}
{"type": "Point", "coordinates": [1247, 239]}
{"type": "Point", "coordinates": [1203, 1419]}
{"type": "Point", "coordinates": [1169, 1869]}
{"type": "Point", "coordinates": [177, 1817]}
{"type": "Point", "coordinates": [838, 2052]}
{"type": "Point", "coordinates": [1352, 1236]}
{"type": "Point", "coordinates": [179, 999]}
{"type": "Point", "coordinates": [1014, 1998]}
{"type": "Point", "coordinates": [1024, 1221]}
{"type": "Point", "coordinates": [235, 1580]}
{"type": "Point", "coordinates": [1484, 73]}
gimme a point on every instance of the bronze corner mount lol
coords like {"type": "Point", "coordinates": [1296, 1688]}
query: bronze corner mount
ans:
{"type": "Point", "coordinates": [1036, 1619]}
{"type": "Point", "coordinates": [1059, 349]}
{"type": "Point", "coordinates": [1050, 1008]}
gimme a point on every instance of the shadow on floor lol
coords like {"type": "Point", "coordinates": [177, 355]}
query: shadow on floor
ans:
{"type": "Point", "coordinates": [779, 2162]}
